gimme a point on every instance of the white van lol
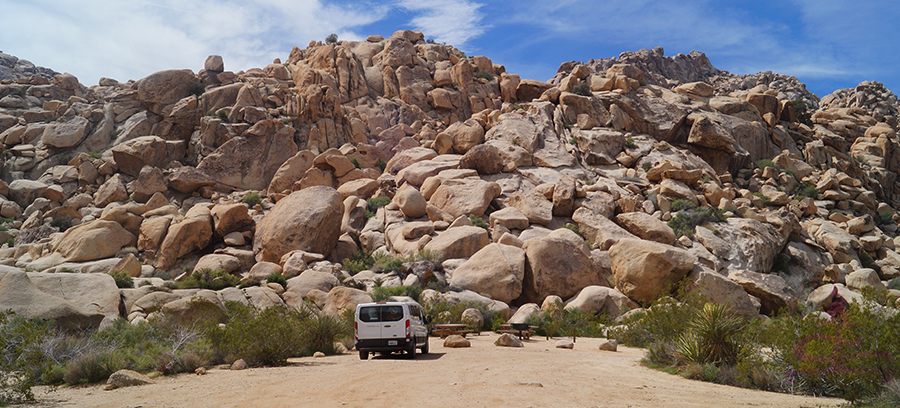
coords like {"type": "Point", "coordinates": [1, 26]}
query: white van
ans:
{"type": "Point", "coordinates": [388, 327]}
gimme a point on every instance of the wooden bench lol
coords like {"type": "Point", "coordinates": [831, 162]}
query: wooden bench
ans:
{"type": "Point", "coordinates": [444, 330]}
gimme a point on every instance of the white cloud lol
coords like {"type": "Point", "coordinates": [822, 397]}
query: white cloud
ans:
{"type": "Point", "coordinates": [131, 39]}
{"type": "Point", "coordinates": [455, 22]}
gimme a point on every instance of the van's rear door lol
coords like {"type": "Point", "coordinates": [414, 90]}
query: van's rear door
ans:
{"type": "Point", "coordinates": [369, 326]}
{"type": "Point", "coordinates": [393, 324]}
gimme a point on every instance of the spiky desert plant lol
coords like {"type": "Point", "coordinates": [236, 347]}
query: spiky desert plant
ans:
{"type": "Point", "coordinates": [711, 336]}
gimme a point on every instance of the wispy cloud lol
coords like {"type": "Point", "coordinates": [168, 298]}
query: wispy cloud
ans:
{"type": "Point", "coordinates": [129, 40]}
{"type": "Point", "coordinates": [455, 22]}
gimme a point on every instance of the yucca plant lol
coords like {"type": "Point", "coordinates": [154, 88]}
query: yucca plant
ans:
{"type": "Point", "coordinates": [711, 336]}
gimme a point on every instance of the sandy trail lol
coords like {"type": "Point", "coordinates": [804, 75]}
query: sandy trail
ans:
{"type": "Point", "coordinates": [538, 375]}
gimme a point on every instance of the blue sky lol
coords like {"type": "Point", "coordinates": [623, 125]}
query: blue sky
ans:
{"type": "Point", "coordinates": [827, 44]}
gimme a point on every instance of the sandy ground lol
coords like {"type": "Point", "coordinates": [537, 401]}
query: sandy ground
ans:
{"type": "Point", "coordinates": [538, 375]}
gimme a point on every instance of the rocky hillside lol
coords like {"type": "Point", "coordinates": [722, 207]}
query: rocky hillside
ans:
{"type": "Point", "coordinates": [605, 187]}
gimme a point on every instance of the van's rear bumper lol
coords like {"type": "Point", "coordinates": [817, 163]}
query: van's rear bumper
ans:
{"type": "Point", "coordinates": [382, 344]}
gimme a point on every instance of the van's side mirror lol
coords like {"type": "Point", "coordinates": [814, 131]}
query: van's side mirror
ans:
{"type": "Point", "coordinates": [427, 319]}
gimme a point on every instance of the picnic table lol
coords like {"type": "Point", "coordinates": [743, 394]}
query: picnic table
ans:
{"type": "Point", "coordinates": [447, 329]}
{"type": "Point", "coordinates": [522, 330]}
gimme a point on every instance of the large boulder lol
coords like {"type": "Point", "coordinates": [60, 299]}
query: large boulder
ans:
{"type": "Point", "coordinates": [496, 270]}
{"type": "Point", "coordinates": [97, 239]}
{"type": "Point", "coordinates": [24, 191]}
{"type": "Point", "coordinates": [133, 155]}
{"type": "Point", "coordinates": [647, 227]}
{"type": "Point", "coordinates": [188, 179]}
{"type": "Point", "coordinates": [250, 161]}
{"type": "Point", "coordinates": [644, 270]}
{"type": "Point", "coordinates": [339, 299]}
{"type": "Point", "coordinates": [307, 219]}
{"type": "Point", "coordinates": [165, 88]}
{"type": "Point", "coordinates": [93, 292]}
{"type": "Point", "coordinates": [230, 217]}
{"type": "Point", "coordinates": [469, 196]}
{"type": "Point", "coordinates": [773, 292]}
{"type": "Point", "coordinates": [558, 264]}
{"type": "Point", "coordinates": [191, 233]}
{"type": "Point", "coordinates": [600, 299]}
{"type": "Point", "coordinates": [291, 171]}
{"type": "Point", "coordinates": [719, 289]}
{"type": "Point", "coordinates": [64, 134]}
{"type": "Point", "coordinates": [299, 286]}
{"type": "Point", "coordinates": [19, 294]}
{"type": "Point", "coordinates": [599, 229]}
{"type": "Point", "coordinates": [459, 242]}
{"type": "Point", "coordinates": [484, 158]}
{"type": "Point", "coordinates": [535, 207]}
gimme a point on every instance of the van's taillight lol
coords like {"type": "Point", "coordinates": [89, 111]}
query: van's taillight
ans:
{"type": "Point", "coordinates": [356, 330]}
{"type": "Point", "coordinates": [407, 328]}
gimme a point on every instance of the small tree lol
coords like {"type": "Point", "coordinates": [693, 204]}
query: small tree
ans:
{"type": "Point", "coordinates": [331, 39]}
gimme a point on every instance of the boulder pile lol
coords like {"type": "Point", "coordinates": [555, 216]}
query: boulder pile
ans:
{"type": "Point", "coordinates": [604, 188]}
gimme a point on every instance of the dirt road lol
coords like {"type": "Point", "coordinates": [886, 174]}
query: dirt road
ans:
{"type": "Point", "coordinates": [538, 375]}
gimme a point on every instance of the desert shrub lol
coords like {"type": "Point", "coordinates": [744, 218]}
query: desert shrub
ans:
{"type": "Point", "coordinates": [485, 74]}
{"type": "Point", "coordinates": [712, 336]}
{"type": "Point", "coordinates": [276, 277]}
{"type": "Point", "coordinates": [94, 367]}
{"type": "Point", "coordinates": [355, 162]}
{"type": "Point", "coordinates": [894, 284]}
{"type": "Point", "coordinates": [321, 332]}
{"type": "Point", "coordinates": [663, 321]}
{"type": "Point", "coordinates": [95, 155]}
{"type": "Point", "coordinates": [381, 164]}
{"type": "Point", "coordinates": [763, 163]}
{"type": "Point", "coordinates": [851, 356]}
{"type": "Point", "coordinates": [209, 279]}
{"type": "Point", "coordinates": [331, 39]}
{"type": "Point", "coordinates": [383, 293]}
{"type": "Point", "coordinates": [805, 189]}
{"type": "Point", "coordinates": [377, 202]}
{"type": "Point", "coordinates": [885, 217]}
{"type": "Point", "coordinates": [196, 89]}
{"type": "Point", "coordinates": [685, 220]}
{"type": "Point", "coordinates": [123, 279]}
{"type": "Point", "coordinates": [221, 114]}
{"type": "Point", "coordinates": [478, 222]}
{"type": "Point", "coordinates": [570, 323]}
{"type": "Point", "coordinates": [259, 336]}
{"type": "Point", "coordinates": [21, 360]}
{"type": "Point", "coordinates": [251, 199]}
{"type": "Point", "coordinates": [629, 142]}
{"type": "Point", "coordinates": [803, 114]}
{"type": "Point", "coordinates": [765, 199]}
{"type": "Point", "coordinates": [583, 89]}
{"type": "Point", "coordinates": [358, 262]}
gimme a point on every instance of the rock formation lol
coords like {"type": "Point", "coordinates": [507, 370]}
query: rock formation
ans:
{"type": "Point", "coordinates": [605, 187]}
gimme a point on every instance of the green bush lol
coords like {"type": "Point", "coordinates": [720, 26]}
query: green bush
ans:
{"type": "Point", "coordinates": [684, 221]}
{"type": "Point", "coordinates": [251, 199]}
{"type": "Point", "coordinates": [885, 217]}
{"type": "Point", "coordinates": [209, 279]}
{"type": "Point", "coordinates": [95, 155]}
{"type": "Point", "coordinates": [629, 142]}
{"type": "Point", "coordinates": [93, 367]}
{"type": "Point", "coordinates": [485, 74]}
{"type": "Point", "coordinates": [222, 115]}
{"type": "Point", "coordinates": [805, 189]}
{"type": "Point", "coordinates": [572, 227]}
{"type": "Point", "coordinates": [803, 114]}
{"type": "Point", "coordinates": [331, 39]}
{"type": "Point", "coordinates": [21, 360]}
{"type": "Point", "coordinates": [278, 278]}
{"type": "Point", "coordinates": [377, 202]}
{"type": "Point", "coordinates": [260, 336]}
{"type": "Point", "coordinates": [478, 222]}
{"type": "Point", "coordinates": [321, 332]}
{"type": "Point", "coordinates": [355, 162]}
{"type": "Point", "coordinates": [196, 89]}
{"type": "Point", "coordinates": [712, 336]}
{"type": "Point", "coordinates": [583, 89]}
{"type": "Point", "coordinates": [123, 279]}
{"type": "Point", "coordinates": [663, 321]}
{"type": "Point", "coordinates": [446, 312]}
{"type": "Point", "coordinates": [358, 262]}
{"type": "Point", "coordinates": [763, 163]}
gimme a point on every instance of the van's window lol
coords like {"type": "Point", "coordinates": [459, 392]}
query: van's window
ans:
{"type": "Point", "coordinates": [391, 313]}
{"type": "Point", "coordinates": [370, 314]}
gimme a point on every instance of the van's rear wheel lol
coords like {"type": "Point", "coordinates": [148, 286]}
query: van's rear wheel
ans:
{"type": "Point", "coordinates": [363, 355]}
{"type": "Point", "coordinates": [411, 353]}
{"type": "Point", "coordinates": [425, 347]}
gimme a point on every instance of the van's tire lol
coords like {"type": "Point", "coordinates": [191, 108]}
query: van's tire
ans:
{"type": "Point", "coordinates": [411, 353]}
{"type": "Point", "coordinates": [425, 347]}
{"type": "Point", "coordinates": [363, 355]}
